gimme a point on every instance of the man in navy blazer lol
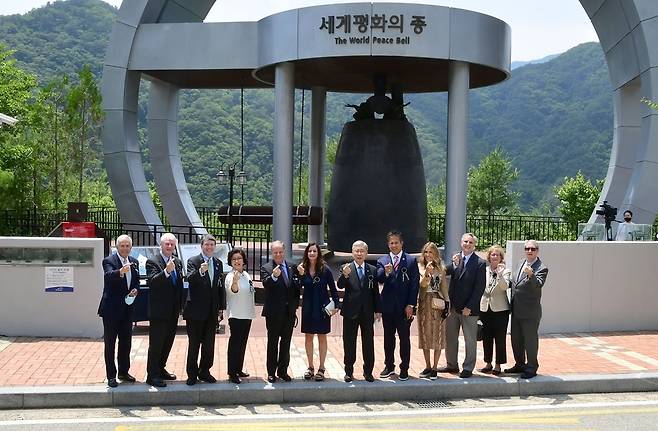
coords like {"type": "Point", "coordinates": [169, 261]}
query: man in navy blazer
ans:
{"type": "Point", "coordinates": [361, 305]}
{"type": "Point", "coordinates": [467, 282]}
{"type": "Point", "coordinates": [121, 284]}
{"type": "Point", "coordinates": [398, 272]}
{"type": "Point", "coordinates": [205, 302]}
{"type": "Point", "coordinates": [282, 291]}
{"type": "Point", "coordinates": [165, 279]}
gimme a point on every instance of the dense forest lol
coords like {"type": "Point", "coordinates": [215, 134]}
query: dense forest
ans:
{"type": "Point", "coordinates": [551, 119]}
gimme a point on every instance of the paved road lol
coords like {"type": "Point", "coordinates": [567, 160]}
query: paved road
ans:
{"type": "Point", "coordinates": [607, 412]}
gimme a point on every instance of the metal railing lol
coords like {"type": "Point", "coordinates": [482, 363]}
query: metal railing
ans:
{"type": "Point", "coordinates": [491, 229]}
{"type": "Point", "coordinates": [498, 229]}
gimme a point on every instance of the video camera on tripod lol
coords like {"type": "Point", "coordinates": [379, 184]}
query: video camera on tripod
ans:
{"type": "Point", "coordinates": [609, 214]}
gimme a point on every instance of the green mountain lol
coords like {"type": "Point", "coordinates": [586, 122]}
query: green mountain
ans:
{"type": "Point", "coordinates": [552, 118]}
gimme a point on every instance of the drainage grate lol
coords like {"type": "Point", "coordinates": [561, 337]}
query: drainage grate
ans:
{"type": "Point", "coordinates": [433, 404]}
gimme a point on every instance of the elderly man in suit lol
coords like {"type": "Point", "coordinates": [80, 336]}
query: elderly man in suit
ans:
{"type": "Point", "coordinates": [361, 306]}
{"type": "Point", "coordinates": [206, 300]}
{"type": "Point", "coordinates": [467, 282]}
{"type": "Point", "coordinates": [120, 287]}
{"type": "Point", "coordinates": [398, 272]}
{"type": "Point", "coordinates": [527, 283]}
{"type": "Point", "coordinates": [165, 279]}
{"type": "Point", "coordinates": [282, 292]}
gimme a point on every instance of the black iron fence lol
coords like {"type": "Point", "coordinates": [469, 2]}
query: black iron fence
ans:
{"type": "Point", "coordinates": [491, 229]}
{"type": "Point", "coordinates": [498, 229]}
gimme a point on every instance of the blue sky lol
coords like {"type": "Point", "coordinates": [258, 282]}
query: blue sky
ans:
{"type": "Point", "coordinates": [539, 27]}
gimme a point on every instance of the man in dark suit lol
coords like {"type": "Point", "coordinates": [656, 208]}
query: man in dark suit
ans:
{"type": "Point", "coordinates": [398, 272]}
{"type": "Point", "coordinates": [206, 300]}
{"type": "Point", "coordinates": [527, 283]}
{"type": "Point", "coordinates": [121, 284]}
{"type": "Point", "coordinates": [467, 282]}
{"type": "Point", "coordinates": [165, 279]}
{"type": "Point", "coordinates": [361, 306]}
{"type": "Point", "coordinates": [282, 292]}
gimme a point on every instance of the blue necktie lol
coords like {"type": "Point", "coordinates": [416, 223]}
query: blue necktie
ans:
{"type": "Point", "coordinates": [174, 279]}
{"type": "Point", "coordinates": [360, 272]}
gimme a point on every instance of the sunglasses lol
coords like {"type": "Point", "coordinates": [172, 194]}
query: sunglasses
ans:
{"type": "Point", "coordinates": [530, 248]}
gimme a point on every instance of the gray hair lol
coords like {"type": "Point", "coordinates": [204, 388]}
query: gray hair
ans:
{"type": "Point", "coordinates": [168, 237]}
{"type": "Point", "coordinates": [122, 238]}
{"type": "Point", "coordinates": [359, 243]}
{"type": "Point", "coordinates": [475, 238]}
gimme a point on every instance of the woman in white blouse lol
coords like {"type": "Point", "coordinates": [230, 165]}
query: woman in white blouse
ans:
{"type": "Point", "coordinates": [241, 310]}
{"type": "Point", "coordinates": [495, 309]}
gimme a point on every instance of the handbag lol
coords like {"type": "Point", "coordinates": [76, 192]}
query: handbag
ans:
{"type": "Point", "coordinates": [438, 304]}
{"type": "Point", "coordinates": [330, 307]}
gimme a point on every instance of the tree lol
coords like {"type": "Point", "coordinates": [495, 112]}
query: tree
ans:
{"type": "Point", "coordinates": [84, 114]}
{"type": "Point", "coordinates": [577, 197]}
{"type": "Point", "coordinates": [17, 89]}
{"type": "Point", "coordinates": [489, 185]}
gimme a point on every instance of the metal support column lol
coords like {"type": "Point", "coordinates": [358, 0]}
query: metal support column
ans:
{"type": "Point", "coordinates": [456, 176]}
{"type": "Point", "coordinates": [316, 158]}
{"type": "Point", "coordinates": [284, 104]}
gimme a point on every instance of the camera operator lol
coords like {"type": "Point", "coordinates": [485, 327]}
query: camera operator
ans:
{"type": "Point", "coordinates": [625, 230]}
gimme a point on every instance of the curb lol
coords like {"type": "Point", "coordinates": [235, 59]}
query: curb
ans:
{"type": "Point", "coordinates": [94, 396]}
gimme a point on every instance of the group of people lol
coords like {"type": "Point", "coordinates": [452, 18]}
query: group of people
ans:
{"type": "Point", "coordinates": [476, 294]}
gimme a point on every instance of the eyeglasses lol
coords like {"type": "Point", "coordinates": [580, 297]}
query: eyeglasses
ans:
{"type": "Point", "coordinates": [468, 242]}
{"type": "Point", "coordinates": [530, 248]}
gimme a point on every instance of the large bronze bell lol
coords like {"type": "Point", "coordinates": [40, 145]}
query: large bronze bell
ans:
{"type": "Point", "coordinates": [378, 185]}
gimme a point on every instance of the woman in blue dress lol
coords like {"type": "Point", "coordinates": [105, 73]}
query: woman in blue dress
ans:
{"type": "Point", "coordinates": [319, 292]}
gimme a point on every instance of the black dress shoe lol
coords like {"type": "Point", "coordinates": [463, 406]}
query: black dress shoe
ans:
{"type": "Point", "coordinates": [369, 378]}
{"type": "Point", "coordinates": [156, 381]}
{"type": "Point", "coordinates": [271, 379]}
{"type": "Point", "coordinates": [191, 381]}
{"type": "Point", "coordinates": [126, 378]}
{"type": "Point", "coordinates": [112, 383]}
{"type": "Point", "coordinates": [528, 375]}
{"type": "Point", "coordinates": [465, 374]}
{"type": "Point", "coordinates": [208, 378]}
{"type": "Point", "coordinates": [165, 375]}
{"type": "Point", "coordinates": [285, 377]}
{"type": "Point", "coordinates": [348, 378]}
{"type": "Point", "coordinates": [243, 374]}
{"type": "Point", "coordinates": [516, 369]}
{"type": "Point", "coordinates": [448, 370]}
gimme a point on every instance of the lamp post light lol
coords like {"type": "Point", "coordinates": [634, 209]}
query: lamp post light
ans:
{"type": "Point", "coordinates": [223, 178]}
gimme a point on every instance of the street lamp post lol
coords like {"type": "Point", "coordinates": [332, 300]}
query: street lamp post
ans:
{"type": "Point", "coordinates": [229, 177]}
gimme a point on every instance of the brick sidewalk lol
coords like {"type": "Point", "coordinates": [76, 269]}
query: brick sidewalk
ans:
{"type": "Point", "coordinates": [67, 361]}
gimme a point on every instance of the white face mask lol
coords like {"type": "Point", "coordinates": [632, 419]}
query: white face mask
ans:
{"type": "Point", "coordinates": [130, 299]}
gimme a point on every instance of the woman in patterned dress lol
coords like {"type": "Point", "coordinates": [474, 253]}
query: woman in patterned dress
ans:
{"type": "Point", "coordinates": [433, 307]}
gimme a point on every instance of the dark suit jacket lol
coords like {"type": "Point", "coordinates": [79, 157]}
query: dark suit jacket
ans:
{"type": "Point", "coordinates": [279, 298]}
{"type": "Point", "coordinates": [526, 291]}
{"type": "Point", "coordinates": [165, 297]}
{"type": "Point", "coordinates": [205, 298]}
{"type": "Point", "coordinates": [467, 286]}
{"type": "Point", "coordinates": [115, 288]}
{"type": "Point", "coordinates": [401, 286]}
{"type": "Point", "coordinates": [360, 295]}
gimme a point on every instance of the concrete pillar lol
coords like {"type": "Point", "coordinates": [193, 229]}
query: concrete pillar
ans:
{"type": "Point", "coordinates": [316, 158]}
{"type": "Point", "coordinates": [457, 155]}
{"type": "Point", "coordinates": [284, 122]}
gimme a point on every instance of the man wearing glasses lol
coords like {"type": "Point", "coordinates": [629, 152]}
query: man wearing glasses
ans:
{"type": "Point", "coordinates": [527, 283]}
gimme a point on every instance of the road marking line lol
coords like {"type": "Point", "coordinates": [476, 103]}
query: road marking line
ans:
{"type": "Point", "coordinates": [624, 407]}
